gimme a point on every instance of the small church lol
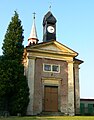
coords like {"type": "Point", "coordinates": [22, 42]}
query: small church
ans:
{"type": "Point", "coordinates": [52, 71]}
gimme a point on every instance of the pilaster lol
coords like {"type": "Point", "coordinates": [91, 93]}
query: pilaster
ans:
{"type": "Point", "coordinates": [77, 89]}
{"type": "Point", "coordinates": [70, 89]}
{"type": "Point", "coordinates": [31, 72]}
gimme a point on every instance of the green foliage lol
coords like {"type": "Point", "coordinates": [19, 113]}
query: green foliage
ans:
{"type": "Point", "coordinates": [12, 46]}
{"type": "Point", "coordinates": [14, 91]}
{"type": "Point", "coordinates": [19, 100]}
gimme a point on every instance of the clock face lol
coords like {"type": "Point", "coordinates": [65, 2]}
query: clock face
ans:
{"type": "Point", "coordinates": [50, 29]}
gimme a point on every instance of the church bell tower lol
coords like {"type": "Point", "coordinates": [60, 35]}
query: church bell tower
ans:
{"type": "Point", "coordinates": [49, 27]}
{"type": "Point", "coordinates": [33, 39]}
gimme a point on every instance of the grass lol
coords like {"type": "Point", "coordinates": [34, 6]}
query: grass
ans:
{"type": "Point", "coordinates": [50, 118]}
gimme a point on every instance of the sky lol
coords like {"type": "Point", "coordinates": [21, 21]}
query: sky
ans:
{"type": "Point", "coordinates": [74, 28]}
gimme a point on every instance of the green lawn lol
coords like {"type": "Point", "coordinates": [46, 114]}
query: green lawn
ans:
{"type": "Point", "coordinates": [50, 118]}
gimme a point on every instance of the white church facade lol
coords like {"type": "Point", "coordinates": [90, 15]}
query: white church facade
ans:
{"type": "Point", "coordinates": [52, 70]}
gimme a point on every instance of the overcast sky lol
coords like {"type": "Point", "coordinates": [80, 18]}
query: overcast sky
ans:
{"type": "Point", "coordinates": [75, 29]}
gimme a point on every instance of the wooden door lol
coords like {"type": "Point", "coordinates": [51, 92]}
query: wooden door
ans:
{"type": "Point", "coordinates": [51, 98]}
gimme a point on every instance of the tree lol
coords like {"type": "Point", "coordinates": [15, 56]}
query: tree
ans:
{"type": "Point", "coordinates": [12, 46]}
{"type": "Point", "coordinates": [12, 80]}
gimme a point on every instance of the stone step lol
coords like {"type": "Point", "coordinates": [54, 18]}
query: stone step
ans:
{"type": "Point", "coordinates": [51, 114]}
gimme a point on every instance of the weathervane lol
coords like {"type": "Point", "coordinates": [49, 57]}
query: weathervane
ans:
{"type": "Point", "coordinates": [50, 6]}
